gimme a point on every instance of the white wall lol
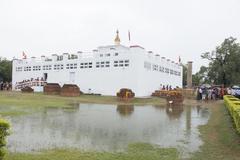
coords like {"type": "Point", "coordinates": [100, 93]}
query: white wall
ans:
{"type": "Point", "coordinates": [107, 80]}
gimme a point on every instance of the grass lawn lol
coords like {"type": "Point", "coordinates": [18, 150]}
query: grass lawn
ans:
{"type": "Point", "coordinates": [221, 142]}
{"type": "Point", "coordinates": [138, 151]}
{"type": "Point", "coordinates": [39, 100]}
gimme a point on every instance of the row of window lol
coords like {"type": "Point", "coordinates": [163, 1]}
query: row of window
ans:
{"type": "Point", "coordinates": [108, 54]}
{"type": "Point", "coordinates": [47, 67]}
{"type": "Point", "coordinates": [36, 68]}
{"type": "Point", "coordinates": [71, 66]}
{"type": "Point", "coordinates": [18, 69]}
{"type": "Point", "coordinates": [101, 64]}
{"type": "Point", "coordinates": [121, 63]}
{"type": "Point", "coordinates": [58, 66]}
{"type": "Point", "coordinates": [155, 67]}
{"type": "Point", "coordinates": [86, 65]}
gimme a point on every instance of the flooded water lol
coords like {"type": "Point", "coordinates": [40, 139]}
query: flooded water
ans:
{"type": "Point", "coordinates": [108, 128]}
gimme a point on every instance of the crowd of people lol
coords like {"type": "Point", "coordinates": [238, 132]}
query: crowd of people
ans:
{"type": "Point", "coordinates": [209, 93]}
{"type": "Point", "coordinates": [167, 87]}
{"type": "Point", "coordinates": [5, 86]}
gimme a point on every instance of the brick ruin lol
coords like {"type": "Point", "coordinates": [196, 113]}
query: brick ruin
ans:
{"type": "Point", "coordinates": [70, 90]}
{"type": "Point", "coordinates": [52, 89]}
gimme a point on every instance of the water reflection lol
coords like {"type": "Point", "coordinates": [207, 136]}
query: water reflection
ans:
{"type": "Point", "coordinates": [174, 112]}
{"type": "Point", "coordinates": [101, 127]}
{"type": "Point", "coordinates": [125, 110]}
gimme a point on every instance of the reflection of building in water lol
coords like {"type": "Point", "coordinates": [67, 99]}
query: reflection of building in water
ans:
{"type": "Point", "coordinates": [174, 112]}
{"type": "Point", "coordinates": [159, 107]}
{"type": "Point", "coordinates": [188, 119]}
{"type": "Point", "coordinates": [125, 110]}
{"type": "Point", "coordinates": [72, 108]}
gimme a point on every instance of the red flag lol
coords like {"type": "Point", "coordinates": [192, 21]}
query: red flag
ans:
{"type": "Point", "coordinates": [24, 55]}
{"type": "Point", "coordinates": [129, 36]}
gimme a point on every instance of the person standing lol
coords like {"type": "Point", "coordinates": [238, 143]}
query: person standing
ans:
{"type": "Point", "coordinates": [200, 93]}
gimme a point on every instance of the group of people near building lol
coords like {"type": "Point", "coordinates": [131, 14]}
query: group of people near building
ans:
{"type": "Point", "coordinates": [209, 93]}
{"type": "Point", "coordinates": [5, 86]}
{"type": "Point", "coordinates": [167, 87]}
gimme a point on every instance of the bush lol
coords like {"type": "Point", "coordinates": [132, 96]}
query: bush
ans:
{"type": "Point", "coordinates": [233, 106]}
{"type": "Point", "coordinates": [4, 132]}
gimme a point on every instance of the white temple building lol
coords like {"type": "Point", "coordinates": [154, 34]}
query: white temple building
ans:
{"type": "Point", "coordinates": [104, 71]}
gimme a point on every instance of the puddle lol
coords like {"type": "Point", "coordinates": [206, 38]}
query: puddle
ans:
{"type": "Point", "coordinates": [108, 127]}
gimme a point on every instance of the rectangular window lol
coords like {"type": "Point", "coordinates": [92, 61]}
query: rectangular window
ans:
{"type": "Point", "coordinates": [60, 66]}
{"type": "Point", "coordinates": [155, 67]}
{"type": "Point", "coordinates": [115, 63]}
{"type": "Point", "coordinates": [166, 70]}
{"type": "Point", "coordinates": [47, 67]}
{"type": "Point", "coordinates": [27, 68]}
{"type": "Point", "coordinates": [59, 58]}
{"type": "Point", "coordinates": [103, 64]}
{"type": "Point", "coordinates": [147, 65]}
{"type": "Point", "coordinates": [86, 65]}
{"type": "Point", "coordinates": [108, 55]}
{"type": "Point", "coordinates": [36, 68]}
{"type": "Point", "coordinates": [121, 63]}
{"type": "Point", "coordinates": [18, 69]}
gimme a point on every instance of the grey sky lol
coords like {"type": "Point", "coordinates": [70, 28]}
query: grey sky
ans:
{"type": "Point", "coordinates": [170, 28]}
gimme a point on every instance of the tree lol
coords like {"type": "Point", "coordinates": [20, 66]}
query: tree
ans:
{"type": "Point", "coordinates": [224, 63]}
{"type": "Point", "coordinates": [201, 76]}
{"type": "Point", "coordinates": [5, 69]}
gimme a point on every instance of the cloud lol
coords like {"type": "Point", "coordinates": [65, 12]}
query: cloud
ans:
{"type": "Point", "coordinates": [171, 28]}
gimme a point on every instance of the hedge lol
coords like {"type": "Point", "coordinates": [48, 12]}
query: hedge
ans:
{"type": "Point", "coordinates": [4, 132]}
{"type": "Point", "coordinates": [233, 106]}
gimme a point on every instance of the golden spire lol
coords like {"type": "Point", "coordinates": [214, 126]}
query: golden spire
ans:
{"type": "Point", "coordinates": [117, 39]}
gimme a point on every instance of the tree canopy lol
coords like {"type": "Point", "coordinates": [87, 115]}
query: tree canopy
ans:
{"type": "Point", "coordinates": [5, 70]}
{"type": "Point", "coordinates": [224, 66]}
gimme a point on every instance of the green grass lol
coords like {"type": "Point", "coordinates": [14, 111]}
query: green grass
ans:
{"type": "Point", "coordinates": [221, 140]}
{"type": "Point", "coordinates": [39, 99]}
{"type": "Point", "coordinates": [138, 151]}
{"type": "Point", "coordinates": [13, 113]}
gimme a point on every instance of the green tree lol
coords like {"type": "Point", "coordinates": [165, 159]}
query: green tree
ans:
{"type": "Point", "coordinates": [5, 69]}
{"type": "Point", "coordinates": [201, 76]}
{"type": "Point", "coordinates": [224, 63]}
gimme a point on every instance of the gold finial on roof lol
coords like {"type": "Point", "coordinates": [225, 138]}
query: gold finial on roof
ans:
{"type": "Point", "coordinates": [117, 39]}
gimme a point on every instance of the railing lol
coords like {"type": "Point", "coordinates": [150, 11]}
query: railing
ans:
{"type": "Point", "coordinates": [34, 83]}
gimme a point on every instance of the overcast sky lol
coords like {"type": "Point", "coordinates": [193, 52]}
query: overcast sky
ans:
{"type": "Point", "coordinates": [170, 28]}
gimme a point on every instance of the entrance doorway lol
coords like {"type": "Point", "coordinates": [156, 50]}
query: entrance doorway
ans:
{"type": "Point", "coordinates": [72, 77]}
{"type": "Point", "coordinates": [45, 76]}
